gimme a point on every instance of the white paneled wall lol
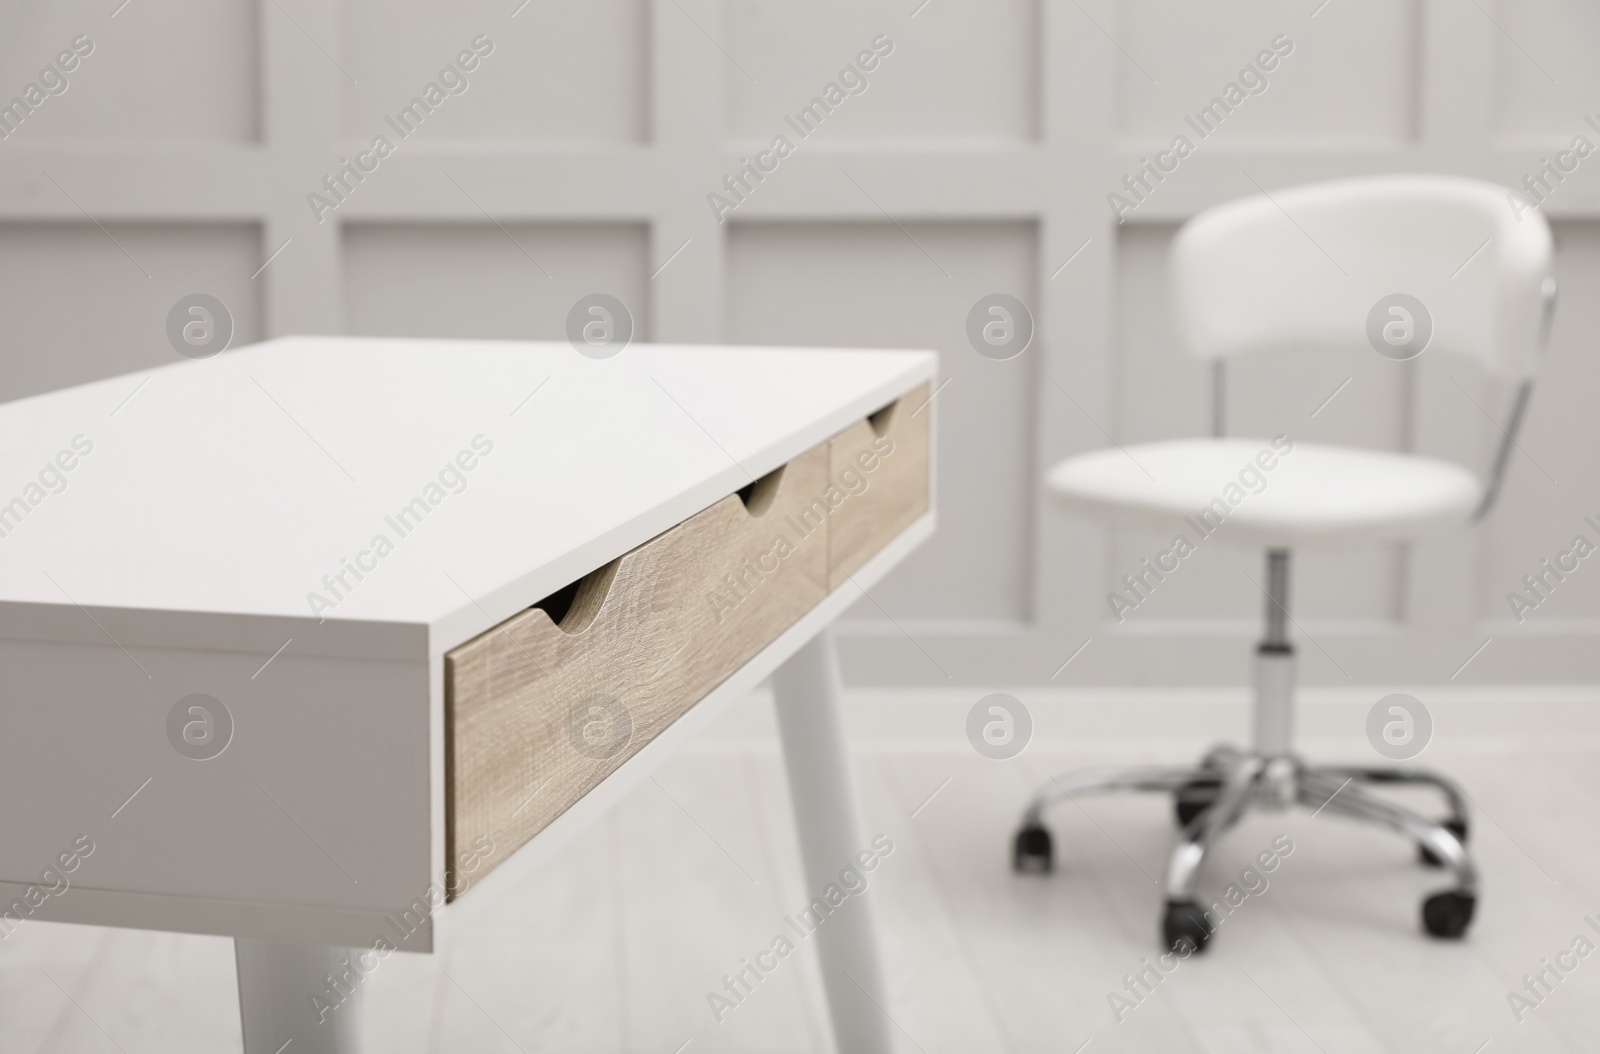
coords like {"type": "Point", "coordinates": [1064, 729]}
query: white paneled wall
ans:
{"type": "Point", "coordinates": [476, 280]}
{"type": "Point", "coordinates": [576, 156]}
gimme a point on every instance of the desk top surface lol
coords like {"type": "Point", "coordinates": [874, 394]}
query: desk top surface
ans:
{"type": "Point", "coordinates": [429, 486]}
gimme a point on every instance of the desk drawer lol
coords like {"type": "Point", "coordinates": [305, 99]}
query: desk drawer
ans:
{"type": "Point", "coordinates": [880, 469]}
{"type": "Point", "coordinates": [538, 710]}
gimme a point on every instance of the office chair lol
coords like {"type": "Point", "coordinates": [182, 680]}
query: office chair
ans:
{"type": "Point", "coordinates": [1315, 267]}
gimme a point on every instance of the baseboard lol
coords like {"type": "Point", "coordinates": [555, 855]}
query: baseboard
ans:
{"type": "Point", "coordinates": [1077, 720]}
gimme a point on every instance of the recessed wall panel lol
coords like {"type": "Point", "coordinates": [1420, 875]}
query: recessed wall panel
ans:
{"type": "Point", "coordinates": [79, 302]}
{"type": "Point", "coordinates": [515, 281]}
{"type": "Point", "coordinates": [182, 71]}
{"type": "Point", "coordinates": [1343, 78]}
{"type": "Point", "coordinates": [948, 71]}
{"type": "Point", "coordinates": [1545, 72]}
{"type": "Point", "coordinates": [542, 73]}
{"type": "Point", "coordinates": [876, 285]}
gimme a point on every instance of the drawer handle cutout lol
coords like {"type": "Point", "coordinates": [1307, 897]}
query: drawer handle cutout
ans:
{"type": "Point", "coordinates": [573, 607]}
{"type": "Point", "coordinates": [882, 419]}
{"type": "Point", "coordinates": [758, 496]}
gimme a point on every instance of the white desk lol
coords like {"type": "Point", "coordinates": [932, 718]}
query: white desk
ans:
{"type": "Point", "coordinates": [212, 529]}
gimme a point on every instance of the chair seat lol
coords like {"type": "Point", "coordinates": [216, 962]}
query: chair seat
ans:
{"type": "Point", "coordinates": [1310, 496]}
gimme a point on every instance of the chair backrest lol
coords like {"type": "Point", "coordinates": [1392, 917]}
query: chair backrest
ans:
{"type": "Point", "coordinates": [1308, 266]}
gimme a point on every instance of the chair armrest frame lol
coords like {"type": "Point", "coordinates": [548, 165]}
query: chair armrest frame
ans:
{"type": "Point", "coordinates": [1519, 408]}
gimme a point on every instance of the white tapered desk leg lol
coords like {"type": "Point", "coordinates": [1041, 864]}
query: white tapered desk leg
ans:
{"type": "Point", "coordinates": [823, 788]}
{"type": "Point", "coordinates": [277, 980]}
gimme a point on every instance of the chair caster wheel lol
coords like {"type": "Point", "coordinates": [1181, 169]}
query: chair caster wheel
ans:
{"type": "Point", "coordinates": [1428, 857]}
{"type": "Point", "coordinates": [1449, 913]}
{"type": "Point", "coordinates": [1184, 923]}
{"type": "Point", "coordinates": [1192, 799]}
{"type": "Point", "coordinates": [1032, 851]}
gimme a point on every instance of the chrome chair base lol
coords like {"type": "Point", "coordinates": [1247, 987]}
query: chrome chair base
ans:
{"type": "Point", "coordinates": [1212, 797]}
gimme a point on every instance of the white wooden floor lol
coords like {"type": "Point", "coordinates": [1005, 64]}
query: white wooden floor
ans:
{"type": "Point", "coordinates": [614, 946]}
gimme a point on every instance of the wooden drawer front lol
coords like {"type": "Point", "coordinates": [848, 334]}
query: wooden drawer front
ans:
{"type": "Point", "coordinates": [537, 713]}
{"type": "Point", "coordinates": [880, 468]}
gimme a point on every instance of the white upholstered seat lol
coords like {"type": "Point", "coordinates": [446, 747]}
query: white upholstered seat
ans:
{"type": "Point", "coordinates": [1311, 494]}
